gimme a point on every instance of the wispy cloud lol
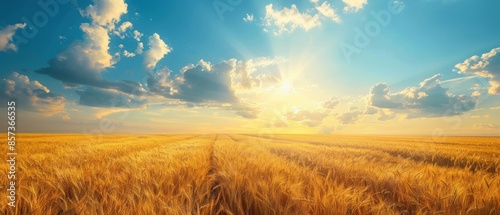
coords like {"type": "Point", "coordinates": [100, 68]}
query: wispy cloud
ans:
{"type": "Point", "coordinates": [248, 18]}
{"type": "Point", "coordinates": [487, 65]}
{"type": "Point", "coordinates": [122, 29]}
{"type": "Point", "coordinates": [354, 5]}
{"type": "Point", "coordinates": [288, 19]}
{"type": "Point", "coordinates": [326, 10]}
{"type": "Point", "coordinates": [350, 116]}
{"type": "Point", "coordinates": [98, 97]}
{"type": "Point", "coordinates": [308, 118]}
{"type": "Point", "coordinates": [6, 35]}
{"type": "Point", "coordinates": [429, 99]}
{"type": "Point", "coordinates": [486, 126]}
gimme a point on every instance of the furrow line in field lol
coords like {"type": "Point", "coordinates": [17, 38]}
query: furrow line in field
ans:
{"type": "Point", "coordinates": [147, 146]}
{"type": "Point", "coordinates": [419, 143]}
{"type": "Point", "coordinates": [330, 173]}
{"type": "Point", "coordinates": [214, 187]}
{"type": "Point", "coordinates": [91, 155]}
{"type": "Point", "coordinates": [438, 160]}
{"type": "Point", "coordinates": [78, 144]}
{"type": "Point", "coordinates": [234, 139]}
{"type": "Point", "coordinates": [447, 162]}
{"type": "Point", "coordinates": [390, 191]}
{"type": "Point", "coordinates": [309, 174]}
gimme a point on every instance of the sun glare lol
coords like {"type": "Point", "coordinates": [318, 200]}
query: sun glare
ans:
{"type": "Point", "coordinates": [286, 87]}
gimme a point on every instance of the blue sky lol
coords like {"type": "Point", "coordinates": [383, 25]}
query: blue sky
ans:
{"type": "Point", "coordinates": [346, 66]}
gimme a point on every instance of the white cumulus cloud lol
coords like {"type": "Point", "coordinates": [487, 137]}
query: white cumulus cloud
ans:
{"type": "Point", "coordinates": [288, 19]}
{"type": "Point", "coordinates": [124, 26]}
{"type": "Point", "coordinates": [128, 54]}
{"type": "Point", "coordinates": [487, 65]}
{"type": "Point", "coordinates": [326, 10]}
{"type": "Point", "coordinates": [137, 35]}
{"type": "Point", "coordinates": [6, 35]}
{"type": "Point", "coordinates": [31, 95]}
{"type": "Point", "coordinates": [140, 47]}
{"type": "Point", "coordinates": [95, 46]}
{"type": "Point", "coordinates": [429, 99]}
{"type": "Point", "coordinates": [354, 5]}
{"type": "Point", "coordinates": [106, 12]}
{"type": "Point", "coordinates": [157, 49]}
{"type": "Point", "coordinates": [248, 18]}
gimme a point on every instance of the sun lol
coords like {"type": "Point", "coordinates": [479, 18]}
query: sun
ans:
{"type": "Point", "coordinates": [286, 87]}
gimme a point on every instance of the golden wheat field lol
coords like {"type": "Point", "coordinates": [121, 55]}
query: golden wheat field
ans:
{"type": "Point", "coordinates": [254, 174]}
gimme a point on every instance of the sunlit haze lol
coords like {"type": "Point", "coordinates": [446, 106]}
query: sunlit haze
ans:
{"type": "Point", "coordinates": [316, 67]}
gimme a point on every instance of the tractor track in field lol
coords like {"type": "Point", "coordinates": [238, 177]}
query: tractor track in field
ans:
{"type": "Point", "coordinates": [389, 198]}
{"type": "Point", "coordinates": [140, 148]}
{"type": "Point", "coordinates": [103, 155]}
{"type": "Point", "coordinates": [232, 138]}
{"type": "Point", "coordinates": [212, 160]}
{"type": "Point", "coordinates": [441, 161]}
{"type": "Point", "coordinates": [330, 174]}
{"type": "Point", "coordinates": [214, 187]}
